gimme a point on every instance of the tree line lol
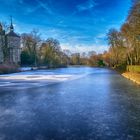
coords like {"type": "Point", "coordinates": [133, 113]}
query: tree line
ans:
{"type": "Point", "coordinates": [38, 52]}
{"type": "Point", "coordinates": [125, 43]}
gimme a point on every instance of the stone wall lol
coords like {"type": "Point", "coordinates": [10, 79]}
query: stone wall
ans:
{"type": "Point", "coordinates": [14, 49]}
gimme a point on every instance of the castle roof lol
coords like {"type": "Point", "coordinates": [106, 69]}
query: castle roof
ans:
{"type": "Point", "coordinates": [12, 34]}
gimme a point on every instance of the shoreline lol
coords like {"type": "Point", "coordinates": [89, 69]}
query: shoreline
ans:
{"type": "Point", "coordinates": [135, 77]}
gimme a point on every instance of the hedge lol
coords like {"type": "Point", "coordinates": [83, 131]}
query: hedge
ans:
{"type": "Point", "coordinates": [133, 68]}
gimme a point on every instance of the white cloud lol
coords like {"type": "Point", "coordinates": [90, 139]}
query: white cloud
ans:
{"type": "Point", "coordinates": [84, 48]}
{"type": "Point", "coordinates": [102, 35]}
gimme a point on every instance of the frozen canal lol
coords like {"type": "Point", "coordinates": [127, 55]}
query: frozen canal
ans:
{"type": "Point", "coordinates": [69, 104]}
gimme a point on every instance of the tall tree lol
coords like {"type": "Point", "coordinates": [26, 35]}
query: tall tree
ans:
{"type": "Point", "coordinates": [117, 49]}
{"type": "Point", "coordinates": [30, 45]}
{"type": "Point", "coordinates": [3, 41]}
{"type": "Point", "coordinates": [51, 54]}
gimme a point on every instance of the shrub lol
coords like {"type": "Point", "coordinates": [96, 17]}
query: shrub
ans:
{"type": "Point", "coordinates": [120, 68]}
{"type": "Point", "coordinates": [5, 68]}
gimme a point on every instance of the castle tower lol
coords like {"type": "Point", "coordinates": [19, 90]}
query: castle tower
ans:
{"type": "Point", "coordinates": [11, 26]}
{"type": "Point", "coordinates": [13, 45]}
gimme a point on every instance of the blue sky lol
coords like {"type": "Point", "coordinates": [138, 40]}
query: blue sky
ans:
{"type": "Point", "coordinates": [79, 25]}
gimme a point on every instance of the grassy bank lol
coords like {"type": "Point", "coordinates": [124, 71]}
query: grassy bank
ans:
{"type": "Point", "coordinates": [135, 77]}
{"type": "Point", "coordinates": [132, 73]}
{"type": "Point", "coordinates": [134, 69]}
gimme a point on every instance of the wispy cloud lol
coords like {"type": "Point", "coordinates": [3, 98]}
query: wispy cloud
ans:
{"type": "Point", "coordinates": [45, 6]}
{"type": "Point", "coordinates": [30, 10]}
{"type": "Point", "coordinates": [86, 5]}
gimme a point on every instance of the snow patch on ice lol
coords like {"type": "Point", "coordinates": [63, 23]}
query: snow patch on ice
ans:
{"type": "Point", "coordinates": [37, 77]}
{"type": "Point", "coordinates": [25, 68]}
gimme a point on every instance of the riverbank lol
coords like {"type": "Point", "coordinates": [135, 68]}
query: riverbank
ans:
{"type": "Point", "coordinates": [130, 72]}
{"type": "Point", "coordinates": [8, 68]}
{"type": "Point", "coordinates": [135, 77]}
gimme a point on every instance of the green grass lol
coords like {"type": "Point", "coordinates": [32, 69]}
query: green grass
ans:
{"type": "Point", "coordinates": [134, 68]}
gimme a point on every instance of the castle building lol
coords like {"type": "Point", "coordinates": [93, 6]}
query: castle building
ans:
{"type": "Point", "coordinates": [9, 46]}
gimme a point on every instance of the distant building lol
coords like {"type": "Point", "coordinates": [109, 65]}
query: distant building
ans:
{"type": "Point", "coordinates": [9, 46]}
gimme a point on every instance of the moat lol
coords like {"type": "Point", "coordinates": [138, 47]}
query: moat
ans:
{"type": "Point", "coordinates": [80, 103]}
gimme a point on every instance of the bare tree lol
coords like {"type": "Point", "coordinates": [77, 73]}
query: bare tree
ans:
{"type": "Point", "coordinates": [30, 43]}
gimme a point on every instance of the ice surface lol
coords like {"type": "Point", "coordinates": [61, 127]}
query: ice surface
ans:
{"type": "Point", "coordinates": [38, 78]}
{"type": "Point", "coordinates": [100, 106]}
